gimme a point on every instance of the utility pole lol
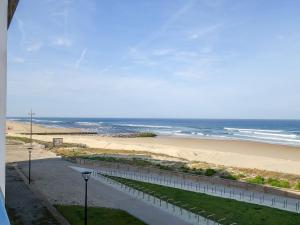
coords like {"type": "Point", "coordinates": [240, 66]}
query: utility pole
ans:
{"type": "Point", "coordinates": [31, 114]}
{"type": "Point", "coordinates": [29, 165]}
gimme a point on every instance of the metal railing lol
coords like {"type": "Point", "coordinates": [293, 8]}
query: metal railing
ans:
{"type": "Point", "coordinates": [273, 201]}
{"type": "Point", "coordinates": [158, 202]}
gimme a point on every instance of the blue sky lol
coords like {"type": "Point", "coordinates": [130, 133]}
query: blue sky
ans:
{"type": "Point", "coordinates": [170, 58]}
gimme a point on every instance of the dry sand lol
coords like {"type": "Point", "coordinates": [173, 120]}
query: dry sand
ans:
{"type": "Point", "coordinates": [13, 127]}
{"type": "Point", "coordinates": [243, 154]}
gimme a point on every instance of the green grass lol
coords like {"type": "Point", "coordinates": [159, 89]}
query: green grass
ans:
{"type": "Point", "coordinates": [129, 161]}
{"type": "Point", "coordinates": [234, 211]}
{"type": "Point", "coordinates": [45, 143]}
{"type": "Point", "coordinates": [22, 139]}
{"type": "Point", "coordinates": [97, 216]}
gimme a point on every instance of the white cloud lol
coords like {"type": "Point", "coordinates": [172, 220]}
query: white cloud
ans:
{"type": "Point", "coordinates": [167, 24]}
{"type": "Point", "coordinates": [21, 29]}
{"type": "Point", "coordinates": [162, 52]}
{"type": "Point", "coordinates": [134, 52]}
{"type": "Point", "coordinates": [202, 67]}
{"type": "Point", "coordinates": [62, 41]}
{"type": "Point", "coordinates": [80, 59]}
{"type": "Point", "coordinates": [202, 32]}
{"type": "Point", "coordinates": [18, 60]}
{"type": "Point", "coordinates": [34, 47]}
{"type": "Point", "coordinates": [159, 56]}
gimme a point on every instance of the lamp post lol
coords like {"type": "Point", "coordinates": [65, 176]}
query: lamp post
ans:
{"type": "Point", "coordinates": [29, 164]}
{"type": "Point", "coordinates": [30, 148]}
{"type": "Point", "coordinates": [86, 175]}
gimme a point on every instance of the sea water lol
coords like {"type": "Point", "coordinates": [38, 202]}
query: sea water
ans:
{"type": "Point", "coordinates": [272, 131]}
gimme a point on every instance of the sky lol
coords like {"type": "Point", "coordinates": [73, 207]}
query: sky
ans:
{"type": "Point", "coordinates": [155, 59]}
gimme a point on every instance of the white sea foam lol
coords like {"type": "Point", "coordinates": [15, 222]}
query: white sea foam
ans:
{"type": "Point", "coordinates": [181, 134]}
{"type": "Point", "coordinates": [268, 138]}
{"type": "Point", "coordinates": [142, 125]}
{"type": "Point", "coordinates": [264, 134]}
{"type": "Point", "coordinates": [272, 136]}
{"type": "Point", "coordinates": [164, 132]}
{"type": "Point", "coordinates": [253, 130]}
{"type": "Point", "coordinates": [88, 123]}
{"type": "Point", "coordinates": [53, 126]}
{"type": "Point", "coordinates": [276, 135]}
{"type": "Point", "coordinates": [16, 119]}
{"type": "Point", "coordinates": [46, 121]}
{"type": "Point", "coordinates": [198, 133]}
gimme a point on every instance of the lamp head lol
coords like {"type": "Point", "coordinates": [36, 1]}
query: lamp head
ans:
{"type": "Point", "coordinates": [86, 175]}
{"type": "Point", "coordinates": [29, 149]}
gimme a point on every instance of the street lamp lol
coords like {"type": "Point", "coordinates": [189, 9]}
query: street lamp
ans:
{"type": "Point", "coordinates": [30, 148]}
{"type": "Point", "coordinates": [86, 175]}
{"type": "Point", "coordinates": [29, 164]}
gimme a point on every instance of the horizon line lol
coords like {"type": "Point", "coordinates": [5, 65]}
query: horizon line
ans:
{"type": "Point", "coordinates": [179, 118]}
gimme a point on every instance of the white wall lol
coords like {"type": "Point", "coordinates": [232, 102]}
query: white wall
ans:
{"type": "Point", "coordinates": [3, 62]}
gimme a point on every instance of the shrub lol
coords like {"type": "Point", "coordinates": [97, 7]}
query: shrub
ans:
{"type": "Point", "coordinates": [240, 176]}
{"type": "Point", "coordinates": [278, 183]}
{"type": "Point", "coordinates": [228, 176]}
{"type": "Point", "coordinates": [199, 171]}
{"type": "Point", "coordinates": [164, 167]}
{"type": "Point", "coordinates": [257, 180]}
{"type": "Point", "coordinates": [210, 172]}
{"type": "Point", "coordinates": [184, 169]}
{"type": "Point", "coordinates": [297, 186]}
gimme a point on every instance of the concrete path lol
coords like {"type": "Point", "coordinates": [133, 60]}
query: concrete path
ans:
{"type": "Point", "coordinates": [24, 208]}
{"type": "Point", "coordinates": [62, 185]}
{"type": "Point", "coordinates": [160, 203]}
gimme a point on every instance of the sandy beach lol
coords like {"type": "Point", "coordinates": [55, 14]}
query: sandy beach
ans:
{"type": "Point", "coordinates": [231, 153]}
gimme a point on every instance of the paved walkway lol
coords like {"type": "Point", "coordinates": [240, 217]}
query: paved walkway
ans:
{"type": "Point", "coordinates": [164, 205]}
{"type": "Point", "coordinates": [62, 185]}
{"type": "Point", "coordinates": [24, 208]}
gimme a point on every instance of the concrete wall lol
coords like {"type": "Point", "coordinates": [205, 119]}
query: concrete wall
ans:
{"type": "Point", "coordinates": [3, 66]}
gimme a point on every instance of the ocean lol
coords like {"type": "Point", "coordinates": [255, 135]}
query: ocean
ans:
{"type": "Point", "coordinates": [271, 131]}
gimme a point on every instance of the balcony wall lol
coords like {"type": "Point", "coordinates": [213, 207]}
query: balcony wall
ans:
{"type": "Point", "coordinates": [3, 215]}
{"type": "Point", "coordinates": [3, 64]}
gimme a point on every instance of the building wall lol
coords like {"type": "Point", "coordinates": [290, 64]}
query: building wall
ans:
{"type": "Point", "coordinates": [3, 66]}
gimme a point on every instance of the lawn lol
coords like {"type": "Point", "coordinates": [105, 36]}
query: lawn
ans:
{"type": "Point", "coordinates": [234, 211]}
{"type": "Point", "coordinates": [97, 216]}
